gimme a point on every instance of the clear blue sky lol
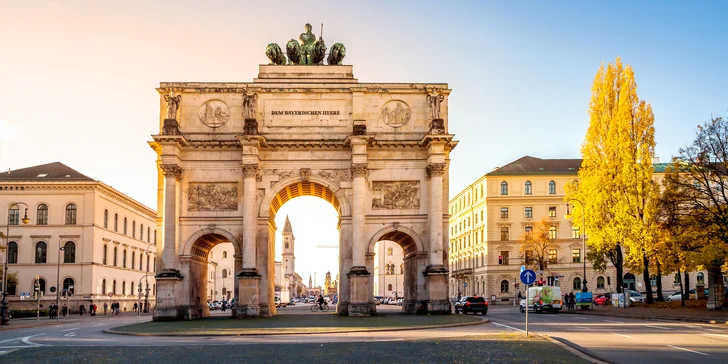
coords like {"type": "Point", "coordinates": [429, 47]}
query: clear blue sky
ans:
{"type": "Point", "coordinates": [77, 79]}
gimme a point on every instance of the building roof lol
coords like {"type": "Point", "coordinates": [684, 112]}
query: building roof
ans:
{"type": "Point", "coordinates": [531, 165]}
{"type": "Point", "coordinates": [55, 172]}
{"type": "Point", "coordinates": [287, 227]}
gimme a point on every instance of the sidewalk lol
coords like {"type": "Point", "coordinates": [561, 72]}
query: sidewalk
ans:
{"type": "Point", "coordinates": [31, 322]}
{"type": "Point", "coordinates": [712, 317]}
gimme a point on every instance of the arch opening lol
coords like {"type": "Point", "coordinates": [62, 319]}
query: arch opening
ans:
{"type": "Point", "coordinates": [211, 274]}
{"type": "Point", "coordinates": [302, 188]}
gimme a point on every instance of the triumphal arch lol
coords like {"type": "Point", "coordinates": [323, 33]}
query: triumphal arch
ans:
{"type": "Point", "coordinates": [231, 154]}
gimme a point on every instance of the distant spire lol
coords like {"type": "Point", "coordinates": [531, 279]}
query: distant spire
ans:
{"type": "Point", "coordinates": [287, 227]}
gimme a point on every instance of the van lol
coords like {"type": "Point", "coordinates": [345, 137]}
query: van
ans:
{"type": "Point", "coordinates": [543, 298]}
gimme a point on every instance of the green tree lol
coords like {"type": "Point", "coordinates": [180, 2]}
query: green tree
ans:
{"type": "Point", "coordinates": [615, 188]}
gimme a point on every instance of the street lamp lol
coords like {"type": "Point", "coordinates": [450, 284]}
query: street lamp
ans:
{"type": "Point", "coordinates": [58, 279]}
{"type": "Point", "coordinates": [583, 240]}
{"type": "Point", "coordinates": [5, 307]}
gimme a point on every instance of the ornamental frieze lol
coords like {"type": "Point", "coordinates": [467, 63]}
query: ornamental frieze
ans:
{"type": "Point", "coordinates": [396, 194]}
{"type": "Point", "coordinates": [336, 175]}
{"type": "Point", "coordinates": [209, 197]}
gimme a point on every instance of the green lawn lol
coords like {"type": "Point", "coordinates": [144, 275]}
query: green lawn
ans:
{"type": "Point", "coordinates": [294, 324]}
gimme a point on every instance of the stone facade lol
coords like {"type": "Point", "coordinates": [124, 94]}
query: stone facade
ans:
{"type": "Point", "coordinates": [108, 238]}
{"type": "Point", "coordinates": [489, 218]}
{"type": "Point", "coordinates": [371, 149]}
{"type": "Point", "coordinates": [388, 270]}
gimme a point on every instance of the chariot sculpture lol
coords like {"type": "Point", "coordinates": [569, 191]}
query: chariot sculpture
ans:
{"type": "Point", "coordinates": [306, 50]}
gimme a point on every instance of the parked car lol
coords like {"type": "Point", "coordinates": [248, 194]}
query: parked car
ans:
{"type": "Point", "coordinates": [543, 298]}
{"type": "Point", "coordinates": [634, 296]}
{"type": "Point", "coordinates": [472, 304]}
{"type": "Point", "coordinates": [400, 302]}
{"type": "Point", "coordinates": [378, 299]}
{"type": "Point", "coordinates": [677, 296]}
{"type": "Point", "coordinates": [603, 299]}
{"type": "Point", "coordinates": [392, 301]}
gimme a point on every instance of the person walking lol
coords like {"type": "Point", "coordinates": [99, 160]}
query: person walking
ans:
{"type": "Point", "coordinates": [135, 306]}
{"type": "Point", "coordinates": [106, 307]}
{"type": "Point", "coordinates": [64, 310]}
{"type": "Point", "coordinates": [572, 301]}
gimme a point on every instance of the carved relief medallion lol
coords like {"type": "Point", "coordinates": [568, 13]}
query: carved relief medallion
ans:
{"type": "Point", "coordinates": [208, 196]}
{"type": "Point", "coordinates": [396, 194]}
{"type": "Point", "coordinates": [214, 113]}
{"type": "Point", "coordinates": [396, 113]}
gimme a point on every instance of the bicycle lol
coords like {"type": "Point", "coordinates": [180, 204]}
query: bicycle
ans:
{"type": "Point", "coordinates": [316, 307]}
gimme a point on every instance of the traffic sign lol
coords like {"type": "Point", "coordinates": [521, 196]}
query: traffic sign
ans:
{"type": "Point", "coordinates": [465, 284]}
{"type": "Point", "coordinates": [523, 267]}
{"type": "Point", "coordinates": [53, 289]}
{"type": "Point", "coordinates": [111, 294]}
{"type": "Point", "coordinates": [528, 276]}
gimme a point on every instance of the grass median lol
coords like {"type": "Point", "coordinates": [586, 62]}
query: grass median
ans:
{"type": "Point", "coordinates": [295, 324]}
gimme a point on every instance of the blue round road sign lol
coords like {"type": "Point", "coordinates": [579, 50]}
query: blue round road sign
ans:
{"type": "Point", "coordinates": [528, 276]}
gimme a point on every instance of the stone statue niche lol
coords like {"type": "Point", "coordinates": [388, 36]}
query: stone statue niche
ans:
{"type": "Point", "coordinates": [171, 127]}
{"type": "Point", "coordinates": [306, 50]}
{"type": "Point", "coordinates": [250, 104]}
{"type": "Point", "coordinates": [437, 125]}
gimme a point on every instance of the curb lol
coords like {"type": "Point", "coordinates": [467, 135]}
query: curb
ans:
{"type": "Point", "coordinates": [384, 329]}
{"type": "Point", "coordinates": [574, 350]}
{"type": "Point", "coordinates": [668, 318]}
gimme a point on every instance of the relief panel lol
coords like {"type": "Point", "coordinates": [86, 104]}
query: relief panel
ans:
{"type": "Point", "coordinates": [396, 194]}
{"type": "Point", "coordinates": [210, 197]}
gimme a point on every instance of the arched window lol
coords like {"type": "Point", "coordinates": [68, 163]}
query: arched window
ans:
{"type": "Point", "coordinates": [224, 255]}
{"type": "Point", "coordinates": [224, 273]}
{"type": "Point", "coordinates": [600, 282]}
{"type": "Point", "coordinates": [68, 285]}
{"type": "Point", "coordinates": [71, 214]}
{"type": "Point", "coordinates": [69, 252]}
{"type": "Point", "coordinates": [224, 291]}
{"type": "Point", "coordinates": [701, 278]}
{"type": "Point", "coordinates": [133, 229]}
{"type": "Point", "coordinates": [577, 284]}
{"type": "Point", "coordinates": [116, 222]}
{"type": "Point", "coordinates": [133, 260]}
{"type": "Point", "coordinates": [41, 252]}
{"type": "Point", "coordinates": [401, 268]}
{"type": "Point", "coordinates": [552, 188]}
{"type": "Point", "coordinates": [41, 285]}
{"type": "Point", "coordinates": [103, 286]}
{"type": "Point", "coordinates": [123, 288]}
{"type": "Point", "coordinates": [116, 255]}
{"type": "Point", "coordinates": [148, 234]}
{"type": "Point", "coordinates": [13, 253]}
{"type": "Point", "coordinates": [106, 253]}
{"type": "Point", "coordinates": [529, 188]}
{"type": "Point", "coordinates": [125, 226]}
{"type": "Point", "coordinates": [42, 214]}
{"type": "Point", "coordinates": [389, 287]}
{"type": "Point", "coordinates": [504, 286]}
{"type": "Point", "coordinates": [123, 259]}
{"type": "Point", "coordinates": [113, 287]}
{"type": "Point", "coordinates": [106, 219]}
{"type": "Point", "coordinates": [390, 251]}
{"type": "Point", "coordinates": [504, 188]}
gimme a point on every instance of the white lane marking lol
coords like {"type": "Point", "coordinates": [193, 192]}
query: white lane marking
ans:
{"type": "Point", "coordinates": [718, 335]}
{"type": "Point", "coordinates": [75, 328]}
{"type": "Point", "coordinates": [13, 347]}
{"type": "Point", "coordinates": [658, 327]}
{"type": "Point", "coordinates": [508, 327]}
{"type": "Point", "coordinates": [692, 351]}
{"type": "Point", "coordinates": [614, 322]}
{"type": "Point", "coordinates": [26, 340]}
{"type": "Point", "coordinates": [70, 334]}
{"type": "Point", "coordinates": [627, 336]}
{"type": "Point", "coordinates": [9, 340]}
{"type": "Point", "coordinates": [375, 339]}
{"type": "Point", "coordinates": [584, 327]}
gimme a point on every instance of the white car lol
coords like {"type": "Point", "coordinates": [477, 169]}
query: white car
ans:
{"type": "Point", "coordinates": [635, 296]}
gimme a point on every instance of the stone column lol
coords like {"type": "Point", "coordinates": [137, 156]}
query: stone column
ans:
{"type": "Point", "coordinates": [359, 173]}
{"type": "Point", "coordinates": [170, 258]}
{"type": "Point", "coordinates": [435, 172]}
{"type": "Point", "coordinates": [248, 279]}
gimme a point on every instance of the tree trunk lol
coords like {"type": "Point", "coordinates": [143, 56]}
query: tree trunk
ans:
{"type": "Point", "coordinates": [687, 285]}
{"type": "Point", "coordinates": [682, 290]}
{"type": "Point", "coordinates": [646, 278]}
{"type": "Point", "coordinates": [659, 283]}
{"type": "Point", "coordinates": [716, 295]}
{"type": "Point", "coordinates": [617, 260]}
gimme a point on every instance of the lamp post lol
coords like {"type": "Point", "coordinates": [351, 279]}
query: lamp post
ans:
{"type": "Point", "coordinates": [146, 282]}
{"type": "Point", "coordinates": [583, 241]}
{"type": "Point", "coordinates": [5, 307]}
{"type": "Point", "coordinates": [58, 279]}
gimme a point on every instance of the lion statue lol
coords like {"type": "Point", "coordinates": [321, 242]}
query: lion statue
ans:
{"type": "Point", "coordinates": [337, 53]}
{"type": "Point", "coordinates": [293, 49]}
{"type": "Point", "coordinates": [274, 53]}
{"type": "Point", "coordinates": [319, 52]}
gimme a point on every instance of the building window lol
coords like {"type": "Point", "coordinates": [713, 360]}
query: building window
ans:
{"type": "Point", "coordinates": [389, 287]}
{"type": "Point", "coordinates": [504, 254]}
{"type": "Point", "coordinates": [41, 252]}
{"type": "Point", "coordinates": [14, 216]}
{"type": "Point", "coordinates": [113, 287]}
{"type": "Point", "coordinates": [106, 219]}
{"type": "Point", "coordinates": [529, 189]}
{"type": "Point", "coordinates": [390, 251]}
{"type": "Point", "coordinates": [701, 278]}
{"type": "Point", "coordinates": [552, 188]}
{"type": "Point", "coordinates": [576, 255]}
{"type": "Point", "coordinates": [505, 286]}
{"type": "Point", "coordinates": [552, 211]}
{"type": "Point", "coordinates": [133, 229]}
{"type": "Point", "coordinates": [42, 214]}
{"type": "Point", "coordinates": [123, 288]}
{"type": "Point", "coordinates": [141, 232]}
{"type": "Point", "coordinates": [116, 222]}
{"type": "Point", "coordinates": [553, 257]}
{"type": "Point", "coordinates": [148, 233]}
{"type": "Point", "coordinates": [133, 260]}
{"type": "Point", "coordinates": [131, 288]}
{"type": "Point", "coordinates": [676, 280]}
{"type": "Point", "coordinates": [69, 252]}
{"type": "Point", "coordinates": [553, 233]}
{"type": "Point", "coordinates": [575, 233]}
{"type": "Point", "coordinates": [141, 261]}
{"type": "Point", "coordinates": [224, 273]}
{"type": "Point", "coordinates": [529, 212]}
{"type": "Point", "coordinates": [68, 285]}
{"type": "Point", "coordinates": [147, 263]}
{"type": "Point", "coordinates": [504, 233]}
{"type": "Point", "coordinates": [401, 268]}
{"type": "Point", "coordinates": [116, 251]}
{"type": "Point", "coordinates": [155, 237]}
{"type": "Point", "coordinates": [123, 259]}
{"type": "Point", "coordinates": [528, 230]}
{"type": "Point", "coordinates": [504, 188]}
{"type": "Point", "coordinates": [125, 226]}
{"type": "Point", "coordinates": [103, 286]}
{"type": "Point", "coordinates": [577, 284]}
{"type": "Point", "coordinates": [13, 253]}
{"type": "Point", "coordinates": [224, 254]}
{"type": "Point", "coordinates": [653, 280]}
{"type": "Point", "coordinates": [71, 214]}
{"type": "Point", "coordinates": [504, 212]}
{"type": "Point", "coordinates": [600, 282]}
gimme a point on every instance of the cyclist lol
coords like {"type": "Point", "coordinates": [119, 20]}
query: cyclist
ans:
{"type": "Point", "coordinates": [320, 302]}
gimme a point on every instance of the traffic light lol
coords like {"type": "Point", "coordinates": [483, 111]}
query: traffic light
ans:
{"type": "Point", "coordinates": [500, 260]}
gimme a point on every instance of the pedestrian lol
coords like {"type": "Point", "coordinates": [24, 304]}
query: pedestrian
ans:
{"type": "Point", "coordinates": [566, 301]}
{"type": "Point", "coordinates": [106, 307]}
{"type": "Point", "coordinates": [135, 306]}
{"type": "Point", "coordinates": [64, 310]}
{"type": "Point", "coordinates": [80, 310]}
{"type": "Point", "coordinates": [520, 296]}
{"type": "Point", "coordinates": [572, 301]}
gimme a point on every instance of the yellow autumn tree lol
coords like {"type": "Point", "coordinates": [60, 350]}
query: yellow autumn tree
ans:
{"type": "Point", "coordinates": [537, 243]}
{"type": "Point", "coordinates": [615, 192]}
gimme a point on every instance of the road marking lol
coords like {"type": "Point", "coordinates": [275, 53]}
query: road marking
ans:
{"type": "Point", "coordinates": [4, 341]}
{"type": "Point", "coordinates": [627, 336]}
{"type": "Point", "coordinates": [658, 327]}
{"type": "Point", "coordinates": [692, 351]}
{"type": "Point", "coordinates": [718, 335]}
{"type": "Point", "coordinates": [508, 327]}
{"type": "Point", "coordinates": [76, 328]}
{"type": "Point", "coordinates": [614, 322]}
{"type": "Point", "coordinates": [26, 330]}
{"type": "Point", "coordinates": [584, 327]}
{"type": "Point", "coordinates": [26, 340]}
{"type": "Point", "coordinates": [70, 334]}
{"type": "Point", "coordinates": [375, 339]}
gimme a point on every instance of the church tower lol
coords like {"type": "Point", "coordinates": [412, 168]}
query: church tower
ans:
{"type": "Point", "coordinates": [289, 260]}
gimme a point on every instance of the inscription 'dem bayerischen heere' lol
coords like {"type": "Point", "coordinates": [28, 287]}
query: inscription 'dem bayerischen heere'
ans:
{"type": "Point", "coordinates": [305, 112]}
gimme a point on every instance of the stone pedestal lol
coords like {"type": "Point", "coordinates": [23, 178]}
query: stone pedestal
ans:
{"type": "Point", "coordinates": [248, 304]}
{"type": "Point", "coordinates": [171, 127]}
{"type": "Point", "coordinates": [436, 285]}
{"type": "Point", "coordinates": [359, 304]}
{"type": "Point", "coordinates": [169, 291]}
{"type": "Point", "coordinates": [250, 127]}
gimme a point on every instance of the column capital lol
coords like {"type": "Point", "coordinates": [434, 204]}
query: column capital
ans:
{"type": "Point", "coordinates": [250, 170]}
{"type": "Point", "coordinates": [359, 169]}
{"type": "Point", "coordinates": [435, 169]}
{"type": "Point", "coordinates": [171, 169]}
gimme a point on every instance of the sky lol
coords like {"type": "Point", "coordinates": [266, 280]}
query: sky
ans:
{"type": "Point", "coordinates": [78, 78]}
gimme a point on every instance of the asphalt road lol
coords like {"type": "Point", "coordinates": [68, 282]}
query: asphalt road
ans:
{"type": "Point", "coordinates": [624, 340]}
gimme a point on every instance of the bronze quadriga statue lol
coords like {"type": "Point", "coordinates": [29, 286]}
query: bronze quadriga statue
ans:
{"type": "Point", "coordinates": [306, 50]}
